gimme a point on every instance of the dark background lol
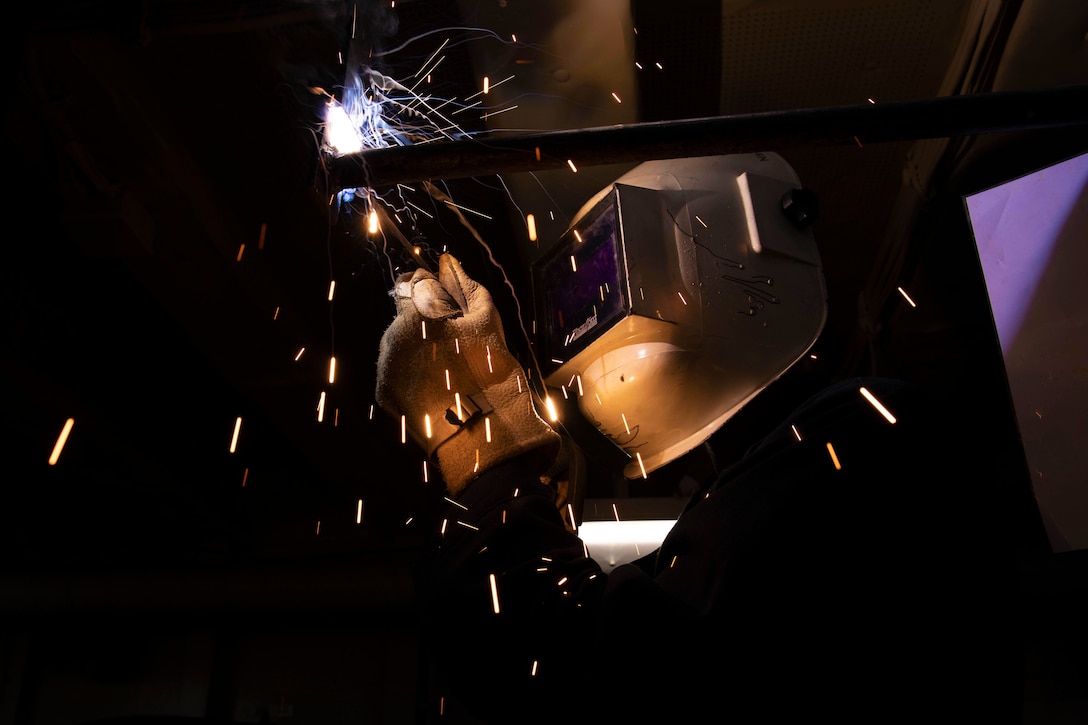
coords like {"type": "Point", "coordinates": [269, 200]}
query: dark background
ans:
{"type": "Point", "coordinates": [153, 572]}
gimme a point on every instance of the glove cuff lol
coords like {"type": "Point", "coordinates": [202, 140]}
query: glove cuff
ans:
{"type": "Point", "coordinates": [510, 428]}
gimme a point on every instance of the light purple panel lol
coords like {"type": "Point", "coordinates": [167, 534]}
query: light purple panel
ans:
{"type": "Point", "coordinates": [1032, 238]}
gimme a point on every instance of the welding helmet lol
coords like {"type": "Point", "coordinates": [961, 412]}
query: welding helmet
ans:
{"type": "Point", "coordinates": [677, 294]}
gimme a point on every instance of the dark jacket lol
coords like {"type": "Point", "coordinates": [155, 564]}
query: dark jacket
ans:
{"type": "Point", "coordinates": [790, 589]}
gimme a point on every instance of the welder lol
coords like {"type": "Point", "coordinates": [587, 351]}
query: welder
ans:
{"type": "Point", "coordinates": [840, 569]}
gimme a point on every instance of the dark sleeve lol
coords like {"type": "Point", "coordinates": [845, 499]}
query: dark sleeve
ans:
{"type": "Point", "coordinates": [523, 625]}
{"type": "Point", "coordinates": [839, 564]}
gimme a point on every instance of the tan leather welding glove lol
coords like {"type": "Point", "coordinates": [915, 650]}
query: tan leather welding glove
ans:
{"type": "Point", "coordinates": [444, 369]}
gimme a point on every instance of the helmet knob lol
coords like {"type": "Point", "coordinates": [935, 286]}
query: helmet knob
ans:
{"type": "Point", "coordinates": [800, 207]}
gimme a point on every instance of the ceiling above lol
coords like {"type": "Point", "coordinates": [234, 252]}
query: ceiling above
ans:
{"type": "Point", "coordinates": [174, 234]}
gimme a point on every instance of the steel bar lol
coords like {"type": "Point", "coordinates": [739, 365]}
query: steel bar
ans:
{"type": "Point", "coordinates": [941, 117]}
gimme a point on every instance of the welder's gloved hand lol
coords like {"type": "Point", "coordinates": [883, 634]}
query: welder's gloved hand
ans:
{"type": "Point", "coordinates": [444, 365]}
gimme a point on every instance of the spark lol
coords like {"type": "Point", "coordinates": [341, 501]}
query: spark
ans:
{"type": "Point", "coordinates": [616, 97]}
{"type": "Point", "coordinates": [834, 458]}
{"type": "Point", "coordinates": [796, 433]}
{"type": "Point", "coordinates": [494, 593]}
{"type": "Point", "coordinates": [487, 85]}
{"type": "Point", "coordinates": [458, 504]}
{"type": "Point", "coordinates": [573, 264]}
{"type": "Point", "coordinates": [332, 370]}
{"type": "Point", "coordinates": [59, 445]}
{"type": "Point", "coordinates": [626, 427]}
{"type": "Point", "coordinates": [403, 430]}
{"type": "Point", "coordinates": [423, 326]}
{"type": "Point", "coordinates": [878, 405]}
{"type": "Point", "coordinates": [371, 412]}
{"type": "Point", "coordinates": [906, 296]}
{"type": "Point", "coordinates": [698, 219]}
{"type": "Point", "coordinates": [341, 133]}
{"type": "Point", "coordinates": [496, 113]}
{"type": "Point", "coordinates": [424, 471]}
{"type": "Point", "coordinates": [261, 236]}
{"type": "Point", "coordinates": [553, 415]}
{"type": "Point", "coordinates": [659, 66]}
{"type": "Point", "coordinates": [468, 525]}
{"type": "Point", "coordinates": [436, 52]}
{"type": "Point", "coordinates": [332, 288]}
{"type": "Point", "coordinates": [430, 71]}
{"type": "Point", "coordinates": [359, 512]}
{"type": "Point", "coordinates": [457, 402]}
{"type": "Point", "coordinates": [245, 475]}
{"type": "Point", "coordinates": [532, 672]}
{"type": "Point", "coordinates": [466, 108]}
{"type": "Point", "coordinates": [573, 168]}
{"type": "Point", "coordinates": [570, 513]}
{"type": "Point", "coordinates": [639, 457]}
{"type": "Point", "coordinates": [422, 211]}
{"type": "Point", "coordinates": [470, 211]}
{"type": "Point", "coordinates": [427, 424]}
{"type": "Point", "coordinates": [447, 378]}
{"type": "Point", "coordinates": [234, 438]}
{"type": "Point", "coordinates": [276, 313]}
{"type": "Point", "coordinates": [638, 65]}
{"type": "Point", "coordinates": [681, 294]}
{"type": "Point", "coordinates": [299, 353]}
{"type": "Point", "coordinates": [580, 391]}
{"type": "Point", "coordinates": [372, 222]}
{"type": "Point", "coordinates": [241, 249]}
{"type": "Point", "coordinates": [530, 220]}
{"type": "Point", "coordinates": [577, 235]}
{"type": "Point", "coordinates": [321, 407]}
{"type": "Point", "coordinates": [318, 532]}
{"type": "Point", "coordinates": [489, 368]}
{"type": "Point", "coordinates": [487, 429]}
{"type": "Point", "coordinates": [615, 511]}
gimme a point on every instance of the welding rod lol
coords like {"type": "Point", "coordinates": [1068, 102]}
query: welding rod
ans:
{"type": "Point", "coordinates": [941, 117]}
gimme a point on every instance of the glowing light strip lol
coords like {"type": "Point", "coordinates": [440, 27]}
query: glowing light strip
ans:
{"type": "Point", "coordinates": [749, 213]}
{"type": "Point", "coordinates": [59, 446]}
{"type": "Point", "coordinates": [602, 533]}
{"type": "Point", "coordinates": [878, 405]}
{"type": "Point", "coordinates": [834, 457]}
{"type": "Point", "coordinates": [234, 438]}
{"type": "Point", "coordinates": [494, 593]}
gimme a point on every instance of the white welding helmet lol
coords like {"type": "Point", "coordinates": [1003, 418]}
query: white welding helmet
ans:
{"type": "Point", "coordinates": [679, 292]}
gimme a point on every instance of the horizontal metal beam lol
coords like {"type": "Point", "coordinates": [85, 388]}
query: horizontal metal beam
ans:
{"type": "Point", "coordinates": [942, 117]}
